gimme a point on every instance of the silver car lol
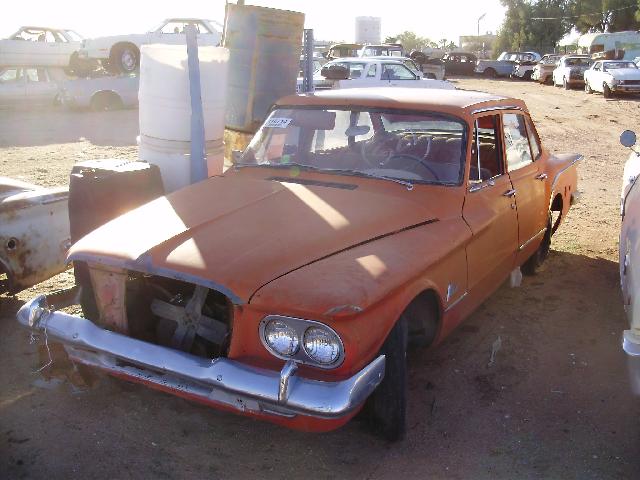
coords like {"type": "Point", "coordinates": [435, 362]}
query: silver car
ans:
{"type": "Point", "coordinates": [29, 86]}
{"type": "Point", "coordinates": [101, 93]}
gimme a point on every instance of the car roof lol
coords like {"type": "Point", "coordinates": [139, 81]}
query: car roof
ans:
{"type": "Point", "coordinates": [460, 102]}
{"type": "Point", "coordinates": [33, 27]}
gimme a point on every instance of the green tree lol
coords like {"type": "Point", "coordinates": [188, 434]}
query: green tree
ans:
{"type": "Point", "coordinates": [410, 41]}
{"type": "Point", "coordinates": [605, 15]}
{"type": "Point", "coordinates": [532, 25]}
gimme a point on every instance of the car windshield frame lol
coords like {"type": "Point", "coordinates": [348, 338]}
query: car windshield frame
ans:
{"type": "Point", "coordinates": [432, 114]}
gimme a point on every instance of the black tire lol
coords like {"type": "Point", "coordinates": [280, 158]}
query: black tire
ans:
{"type": "Point", "coordinates": [527, 75]}
{"type": "Point", "coordinates": [606, 91]}
{"type": "Point", "coordinates": [489, 73]}
{"type": "Point", "coordinates": [125, 58]}
{"type": "Point", "coordinates": [587, 88]}
{"type": "Point", "coordinates": [387, 406]}
{"type": "Point", "coordinates": [535, 261]}
{"type": "Point", "coordinates": [105, 101]}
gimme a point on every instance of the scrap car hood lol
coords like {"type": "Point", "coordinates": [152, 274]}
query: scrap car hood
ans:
{"type": "Point", "coordinates": [237, 234]}
{"type": "Point", "coordinates": [625, 73]}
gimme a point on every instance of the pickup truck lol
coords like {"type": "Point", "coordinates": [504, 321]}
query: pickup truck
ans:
{"type": "Point", "coordinates": [370, 72]}
{"type": "Point", "coordinates": [503, 65]}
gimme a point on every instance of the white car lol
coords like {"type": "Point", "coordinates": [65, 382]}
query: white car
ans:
{"type": "Point", "coordinates": [34, 235]}
{"type": "Point", "coordinates": [612, 76]}
{"type": "Point", "coordinates": [121, 53]}
{"type": "Point", "coordinates": [543, 71]}
{"type": "Point", "coordinates": [570, 71]}
{"type": "Point", "coordinates": [30, 86]}
{"type": "Point", "coordinates": [40, 46]}
{"type": "Point", "coordinates": [367, 72]}
{"type": "Point", "coordinates": [629, 253]}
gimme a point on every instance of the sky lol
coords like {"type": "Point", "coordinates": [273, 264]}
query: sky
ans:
{"type": "Point", "coordinates": [330, 19]}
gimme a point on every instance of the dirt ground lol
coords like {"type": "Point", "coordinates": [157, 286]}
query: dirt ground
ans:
{"type": "Point", "coordinates": [555, 404]}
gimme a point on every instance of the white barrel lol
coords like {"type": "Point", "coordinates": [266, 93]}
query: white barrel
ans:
{"type": "Point", "coordinates": [164, 95]}
{"type": "Point", "coordinates": [173, 159]}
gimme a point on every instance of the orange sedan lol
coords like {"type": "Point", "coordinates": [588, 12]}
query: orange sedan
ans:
{"type": "Point", "coordinates": [356, 222]}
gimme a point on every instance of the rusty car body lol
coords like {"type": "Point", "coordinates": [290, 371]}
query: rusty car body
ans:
{"type": "Point", "coordinates": [34, 233]}
{"type": "Point", "coordinates": [287, 288]}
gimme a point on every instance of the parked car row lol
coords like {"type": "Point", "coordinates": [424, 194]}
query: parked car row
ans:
{"type": "Point", "coordinates": [50, 86]}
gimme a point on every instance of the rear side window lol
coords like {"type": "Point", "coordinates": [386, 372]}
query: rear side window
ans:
{"type": "Point", "coordinates": [516, 142]}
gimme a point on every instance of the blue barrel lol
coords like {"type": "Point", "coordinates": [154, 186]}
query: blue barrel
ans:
{"type": "Point", "coordinates": [264, 59]}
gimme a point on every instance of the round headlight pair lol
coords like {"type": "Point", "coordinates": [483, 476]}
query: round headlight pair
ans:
{"type": "Point", "coordinates": [320, 344]}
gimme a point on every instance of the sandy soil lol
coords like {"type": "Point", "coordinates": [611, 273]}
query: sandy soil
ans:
{"type": "Point", "coordinates": [555, 404]}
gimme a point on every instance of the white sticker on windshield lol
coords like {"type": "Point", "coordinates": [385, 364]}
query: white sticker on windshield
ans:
{"type": "Point", "coordinates": [275, 122]}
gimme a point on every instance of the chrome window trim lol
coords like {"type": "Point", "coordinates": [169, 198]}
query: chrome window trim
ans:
{"type": "Point", "coordinates": [496, 109]}
{"type": "Point", "coordinates": [300, 326]}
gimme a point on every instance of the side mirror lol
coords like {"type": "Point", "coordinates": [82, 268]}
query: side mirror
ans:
{"type": "Point", "coordinates": [628, 138]}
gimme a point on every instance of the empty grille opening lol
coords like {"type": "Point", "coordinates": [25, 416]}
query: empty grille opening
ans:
{"type": "Point", "coordinates": [178, 315]}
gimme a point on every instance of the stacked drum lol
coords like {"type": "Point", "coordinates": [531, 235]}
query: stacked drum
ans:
{"type": "Point", "coordinates": [165, 110]}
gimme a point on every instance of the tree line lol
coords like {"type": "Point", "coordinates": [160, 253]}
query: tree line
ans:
{"type": "Point", "coordinates": [539, 24]}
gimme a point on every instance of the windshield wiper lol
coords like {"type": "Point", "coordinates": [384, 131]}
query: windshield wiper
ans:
{"type": "Point", "coordinates": [406, 183]}
{"type": "Point", "coordinates": [334, 171]}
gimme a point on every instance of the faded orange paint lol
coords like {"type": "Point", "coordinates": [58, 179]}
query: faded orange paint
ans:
{"type": "Point", "coordinates": [351, 258]}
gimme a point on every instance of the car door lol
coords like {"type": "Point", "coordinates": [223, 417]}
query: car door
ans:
{"type": "Point", "coordinates": [489, 210]}
{"type": "Point", "coordinates": [12, 86]}
{"type": "Point", "coordinates": [595, 77]}
{"type": "Point", "coordinates": [39, 88]}
{"type": "Point", "coordinates": [528, 180]}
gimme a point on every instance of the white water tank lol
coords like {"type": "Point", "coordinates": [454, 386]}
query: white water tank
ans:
{"type": "Point", "coordinates": [173, 158]}
{"type": "Point", "coordinates": [165, 109]}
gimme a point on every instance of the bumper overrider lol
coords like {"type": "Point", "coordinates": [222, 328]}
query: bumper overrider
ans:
{"type": "Point", "coordinates": [218, 381]}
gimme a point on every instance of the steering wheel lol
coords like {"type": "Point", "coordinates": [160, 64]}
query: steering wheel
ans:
{"type": "Point", "coordinates": [384, 146]}
{"type": "Point", "coordinates": [416, 159]}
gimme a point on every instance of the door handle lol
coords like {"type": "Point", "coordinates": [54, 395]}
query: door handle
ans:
{"type": "Point", "coordinates": [542, 176]}
{"type": "Point", "coordinates": [509, 193]}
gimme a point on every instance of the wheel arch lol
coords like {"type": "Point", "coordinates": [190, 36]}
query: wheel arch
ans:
{"type": "Point", "coordinates": [424, 317]}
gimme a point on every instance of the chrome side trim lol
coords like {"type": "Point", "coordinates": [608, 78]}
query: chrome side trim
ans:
{"type": "Point", "coordinates": [220, 381]}
{"type": "Point", "coordinates": [524, 245]}
{"type": "Point", "coordinates": [496, 109]}
{"type": "Point", "coordinates": [458, 300]}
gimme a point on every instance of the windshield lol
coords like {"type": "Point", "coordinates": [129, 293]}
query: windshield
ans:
{"type": "Point", "coordinates": [615, 65]}
{"type": "Point", "coordinates": [425, 147]}
{"type": "Point", "coordinates": [577, 62]}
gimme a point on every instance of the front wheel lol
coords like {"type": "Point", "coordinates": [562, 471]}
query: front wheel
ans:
{"type": "Point", "coordinates": [387, 406]}
{"type": "Point", "coordinates": [587, 88]}
{"type": "Point", "coordinates": [606, 91]}
{"type": "Point", "coordinates": [490, 73]}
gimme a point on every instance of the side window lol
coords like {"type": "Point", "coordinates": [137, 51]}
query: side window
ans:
{"type": "Point", "coordinates": [394, 71]}
{"type": "Point", "coordinates": [355, 70]}
{"type": "Point", "coordinates": [533, 140]}
{"type": "Point", "coordinates": [10, 75]}
{"type": "Point", "coordinates": [485, 151]}
{"type": "Point", "coordinates": [516, 143]}
{"type": "Point", "coordinates": [373, 69]}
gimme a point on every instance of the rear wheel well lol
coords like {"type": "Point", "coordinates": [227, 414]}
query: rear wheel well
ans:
{"type": "Point", "coordinates": [556, 206]}
{"type": "Point", "coordinates": [423, 318]}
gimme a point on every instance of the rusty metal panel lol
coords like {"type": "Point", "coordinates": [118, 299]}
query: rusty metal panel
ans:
{"type": "Point", "coordinates": [34, 235]}
{"type": "Point", "coordinates": [109, 287]}
{"type": "Point", "coordinates": [264, 47]}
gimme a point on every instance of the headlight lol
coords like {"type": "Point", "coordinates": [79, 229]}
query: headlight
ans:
{"type": "Point", "coordinates": [615, 81]}
{"type": "Point", "coordinates": [281, 338]}
{"type": "Point", "coordinates": [321, 345]}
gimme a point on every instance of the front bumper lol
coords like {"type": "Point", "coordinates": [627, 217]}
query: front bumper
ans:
{"type": "Point", "coordinates": [218, 381]}
{"type": "Point", "coordinates": [625, 88]}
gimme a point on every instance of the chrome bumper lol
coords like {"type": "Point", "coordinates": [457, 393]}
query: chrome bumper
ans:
{"type": "Point", "coordinates": [218, 381]}
{"type": "Point", "coordinates": [630, 343]}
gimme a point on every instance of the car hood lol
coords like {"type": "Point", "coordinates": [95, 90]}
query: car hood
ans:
{"type": "Point", "coordinates": [625, 73]}
{"type": "Point", "coordinates": [237, 234]}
